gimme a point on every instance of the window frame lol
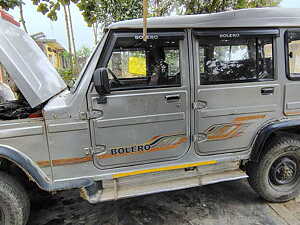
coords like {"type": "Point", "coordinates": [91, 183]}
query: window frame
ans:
{"type": "Point", "coordinates": [294, 76]}
{"type": "Point", "coordinates": [257, 33]}
{"type": "Point", "coordinates": [180, 34]}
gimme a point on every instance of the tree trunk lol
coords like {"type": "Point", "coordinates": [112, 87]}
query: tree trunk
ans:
{"type": "Point", "coordinates": [158, 13]}
{"type": "Point", "coordinates": [145, 15]}
{"type": "Point", "coordinates": [72, 36]}
{"type": "Point", "coordinates": [69, 37]}
{"type": "Point", "coordinates": [1, 73]}
{"type": "Point", "coordinates": [22, 17]}
{"type": "Point", "coordinates": [95, 32]}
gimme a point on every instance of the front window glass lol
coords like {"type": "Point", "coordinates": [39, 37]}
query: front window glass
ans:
{"type": "Point", "coordinates": [135, 63]}
{"type": "Point", "coordinates": [235, 60]}
{"type": "Point", "coordinates": [128, 64]}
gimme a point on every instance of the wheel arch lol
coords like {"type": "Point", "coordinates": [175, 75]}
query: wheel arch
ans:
{"type": "Point", "coordinates": [26, 165]}
{"type": "Point", "coordinates": [266, 133]}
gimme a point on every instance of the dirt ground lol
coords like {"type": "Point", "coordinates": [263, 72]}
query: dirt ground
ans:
{"type": "Point", "coordinates": [229, 203]}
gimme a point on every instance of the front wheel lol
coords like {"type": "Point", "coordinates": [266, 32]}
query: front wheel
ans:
{"type": "Point", "coordinates": [276, 177]}
{"type": "Point", "coordinates": [14, 201]}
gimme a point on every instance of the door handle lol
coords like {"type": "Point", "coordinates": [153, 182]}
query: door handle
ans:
{"type": "Point", "coordinates": [267, 91]}
{"type": "Point", "coordinates": [172, 98]}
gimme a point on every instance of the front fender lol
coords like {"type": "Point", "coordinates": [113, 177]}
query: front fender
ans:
{"type": "Point", "coordinates": [35, 173]}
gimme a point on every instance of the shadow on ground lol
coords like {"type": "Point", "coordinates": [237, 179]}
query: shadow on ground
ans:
{"type": "Point", "coordinates": [229, 203]}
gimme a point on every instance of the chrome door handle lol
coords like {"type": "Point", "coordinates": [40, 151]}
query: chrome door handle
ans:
{"type": "Point", "coordinates": [172, 98]}
{"type": "Point", "coordinates": [267, 91]}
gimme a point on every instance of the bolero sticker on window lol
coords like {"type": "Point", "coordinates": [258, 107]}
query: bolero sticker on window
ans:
{"type": "Point", "coordinates": [231, 35]}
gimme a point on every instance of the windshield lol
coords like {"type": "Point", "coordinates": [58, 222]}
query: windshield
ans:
{"type": "Point", "coordinates": [79, 78]}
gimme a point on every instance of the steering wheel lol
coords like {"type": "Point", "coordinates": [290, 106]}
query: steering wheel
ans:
{"type": "Point", "coordinates": [114, 76]}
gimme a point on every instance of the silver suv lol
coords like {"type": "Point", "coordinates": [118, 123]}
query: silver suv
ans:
{"type": "Point", "coordinates": [207, 98]}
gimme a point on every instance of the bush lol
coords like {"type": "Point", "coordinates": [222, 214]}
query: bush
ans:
{"type": "Point", "coordinates": [68, 76]}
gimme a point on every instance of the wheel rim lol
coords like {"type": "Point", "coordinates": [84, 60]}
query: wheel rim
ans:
{"type": "Point", "coordinates": [284, 171]}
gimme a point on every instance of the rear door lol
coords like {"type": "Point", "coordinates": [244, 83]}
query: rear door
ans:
{"type": "Point", "coordinates": [237, 90]}
{"type": "Point", "coordinates": [146, 118]}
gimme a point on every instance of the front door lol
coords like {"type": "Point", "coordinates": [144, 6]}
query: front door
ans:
{"type": "Point", "coordinates": [146, 117]}
{"type": "Point", "coordinates": [237, 90]}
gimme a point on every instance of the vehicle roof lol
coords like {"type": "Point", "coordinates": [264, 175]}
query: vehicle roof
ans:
{"type": "Point", "coordinates": [250, 18]}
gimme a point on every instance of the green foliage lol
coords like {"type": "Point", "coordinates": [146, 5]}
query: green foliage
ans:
{"type": "Point", "coordinates": [162, 8]}
{"type": "Point", "coordinates": [89, 10]}
{"type": "Point", "coordinates": [68, 76]}
{"type": "Point", "coordinates": [10, 4]}
{"type": "Point", "coordinates": [208, 6]}
{"type": "Point", "coordinates": [70, 73]}
{"type": "Point", "coordinates": [66, 54]}
{"type": "Point", "coordinates": [108, 11]}
{"type": "Point", "coordinates": [84, 52]}
{"type": "Point", "coordinates": [50, 7]}
{"type": "Point", "coordinates": [257, 3]}
{"type": "Point", "coordinates": [82, 56]}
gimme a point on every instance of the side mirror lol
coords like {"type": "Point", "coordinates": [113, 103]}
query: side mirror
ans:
{"type": "Point", "coordinates": [101, 82]}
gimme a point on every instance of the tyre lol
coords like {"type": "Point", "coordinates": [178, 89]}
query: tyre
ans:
{"type": "Point", "coordinates": [14, 201]}
{"type": "Point", "coordinates": [276, 177]}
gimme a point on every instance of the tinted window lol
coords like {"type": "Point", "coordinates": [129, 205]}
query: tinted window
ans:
{"type": "Point", "coordinates": [242, 59]}
{"type": "Point", "coordinates": [138, 64]}
{"type": "Point", "coordinates": [294, 53]}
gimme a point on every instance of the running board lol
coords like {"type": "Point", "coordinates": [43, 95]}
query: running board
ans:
{"type": "Point", "coordinates": [118, 190]}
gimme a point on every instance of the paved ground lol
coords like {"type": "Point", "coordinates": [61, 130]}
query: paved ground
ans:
{"type": "Point", "coordinates": [229, 203]}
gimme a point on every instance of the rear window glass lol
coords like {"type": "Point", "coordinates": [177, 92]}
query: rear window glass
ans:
{"type": "Point", "coordinates": [242, 59]}
{"type": "Point", "coordinates": [293, 38]}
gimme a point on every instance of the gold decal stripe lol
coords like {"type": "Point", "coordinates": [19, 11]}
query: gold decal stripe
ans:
{"type": "Point", "coordinates": [245, 118]}
{"type": "Point", "coordinates": [233, 129]}
{"type": "Point", "coordinates": [229, 134]}
{"type": "Point", "coordinates": [68, 161]}
{"type": "Point", "coordinates": [164, 169]}
{"type": "Point", "coordinates": [292, 113]}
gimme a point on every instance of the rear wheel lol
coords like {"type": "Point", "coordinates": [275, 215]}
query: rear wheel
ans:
{"type": "Point", "coordinates": [276, 177]}
{"type": "Point", "coordinates": [14, 202]}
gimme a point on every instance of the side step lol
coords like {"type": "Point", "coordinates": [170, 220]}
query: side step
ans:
{"type": "Point", "coordinates": [122, 190]}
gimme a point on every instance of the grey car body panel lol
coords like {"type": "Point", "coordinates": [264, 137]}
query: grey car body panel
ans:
{"type": "Point", "coordinates": [27, 136]}
{"type": "Point", "coordinates": [69, 141]}
{"type": "Point", "coordinates": [28, 66]}
{"type": "Point", "coordinates": [37, 175]}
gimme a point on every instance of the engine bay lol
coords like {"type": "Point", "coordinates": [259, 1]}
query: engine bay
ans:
{"type": "Point", "coordinates": [19, 109]}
